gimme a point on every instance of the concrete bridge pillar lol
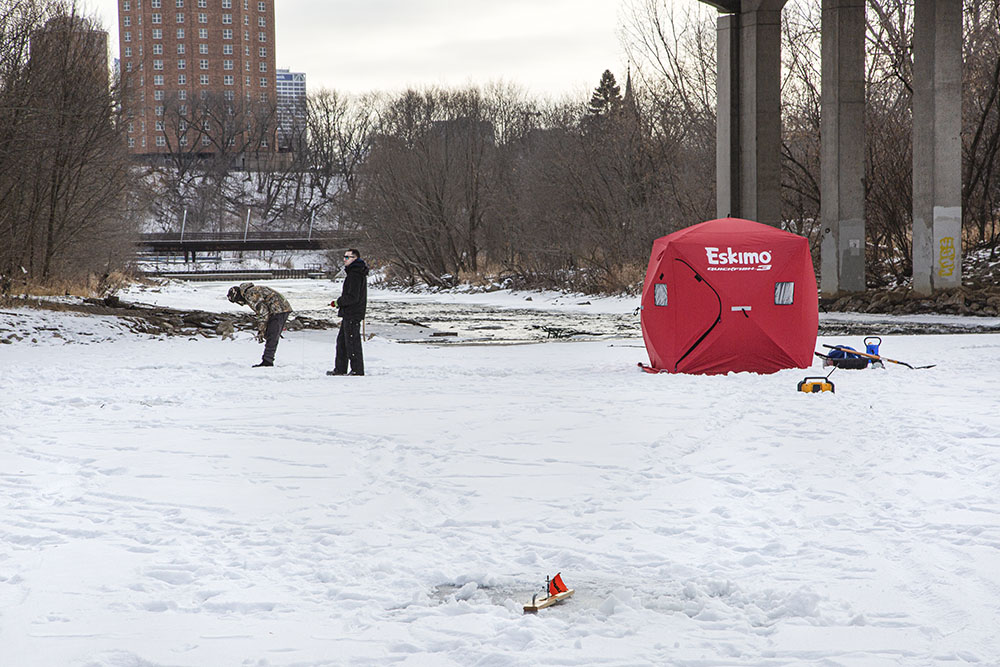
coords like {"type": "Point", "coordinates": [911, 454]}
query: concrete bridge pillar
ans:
{"type": "Point", "coordinates": [842, 152]}
{"type": "Point", "coordinates": [937, 145]}
{"type": "Point", "coordinates": [748, 148]}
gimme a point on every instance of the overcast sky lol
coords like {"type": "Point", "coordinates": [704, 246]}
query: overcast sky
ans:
{"type": "Point", "coordinates": [550, 47]}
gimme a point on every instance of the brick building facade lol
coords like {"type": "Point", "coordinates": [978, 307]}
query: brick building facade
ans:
{"type": "Point", "coordinates": [199, 75]}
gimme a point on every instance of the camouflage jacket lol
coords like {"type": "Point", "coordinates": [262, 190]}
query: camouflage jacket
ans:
{"type": "Point", "coordinates": [264, 301]}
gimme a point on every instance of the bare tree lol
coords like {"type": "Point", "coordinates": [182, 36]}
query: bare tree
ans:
{"type": "Point", "coordinates": [981, 123]}
{"type": "Point", "coordinates": [426, 192]}
{"type": "Point", "coordinates": [65, 202]}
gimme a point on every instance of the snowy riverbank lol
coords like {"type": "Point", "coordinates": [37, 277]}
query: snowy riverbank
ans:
{"type": "Point", "coordinates": [166, 504]}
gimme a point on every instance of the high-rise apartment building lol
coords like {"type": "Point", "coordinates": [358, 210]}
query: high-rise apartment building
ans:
{"type": "Point", "coordinates": [199, 75]}
{"type": "Point", "coordinates": [291, 108]}
{"type": "Point", "coordinates": [71, 43]}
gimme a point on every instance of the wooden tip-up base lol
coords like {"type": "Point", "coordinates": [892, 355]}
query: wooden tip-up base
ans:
{"type": "Point", "coordinates": [537, 604]}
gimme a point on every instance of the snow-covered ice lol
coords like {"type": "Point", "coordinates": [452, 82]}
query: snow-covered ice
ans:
{"type": "Point", "coordinates": [166, 504]}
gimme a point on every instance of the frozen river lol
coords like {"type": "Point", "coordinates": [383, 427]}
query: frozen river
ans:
{"type": "Point", "coordinates": [504, 317]}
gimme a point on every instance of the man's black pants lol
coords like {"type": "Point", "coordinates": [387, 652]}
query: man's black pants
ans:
{"type": "Point", "coordinates": [275, 324]}
{"type": "Point", "coordinates": [349, 347]}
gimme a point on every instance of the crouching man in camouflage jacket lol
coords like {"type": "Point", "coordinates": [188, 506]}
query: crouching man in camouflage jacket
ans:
{"type": "Point", "coordinates": [272, 311]}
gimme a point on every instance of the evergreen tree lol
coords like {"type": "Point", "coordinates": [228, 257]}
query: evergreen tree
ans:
{"type": "Point", "coordinates": [607, 96]}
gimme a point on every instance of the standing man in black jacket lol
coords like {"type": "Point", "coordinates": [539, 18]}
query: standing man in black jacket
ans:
{"type": "Point", "coordinates": [351, 307]}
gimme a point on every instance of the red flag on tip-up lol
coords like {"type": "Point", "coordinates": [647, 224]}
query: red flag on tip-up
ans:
{"type": "Point", "coordinates": [556, 585]}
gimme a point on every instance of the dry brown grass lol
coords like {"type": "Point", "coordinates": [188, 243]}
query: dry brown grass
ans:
{"type": "Point", "coordinates": [626, 279]}
{"type": "Point", "coordinates": [91, 286]}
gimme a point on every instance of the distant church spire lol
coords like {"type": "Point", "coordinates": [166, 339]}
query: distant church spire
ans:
{"type": "Point", "coordinates": [629, 107]}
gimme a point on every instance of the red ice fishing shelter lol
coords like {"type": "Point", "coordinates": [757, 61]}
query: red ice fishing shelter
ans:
{"type": "Point", "coordinates": [730, 295]}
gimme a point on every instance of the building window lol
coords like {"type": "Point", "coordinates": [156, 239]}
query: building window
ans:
{"type": "Point", "coordinates": [203, 49]}
{"type": "Point", "coordinates": [227, 33]}
{"type": "Point", "coordinates": [160, 140]}
{"type": "Point", "coordinates": [203, 3]}
{"type": "Point", "coordinates": [127, 21]}
{"type": "Point", "coordinates": [180, 33]}
{"type": "Point", "coordinates": [159, 109]}
{"type": "Point", "coordinates": [205, 141]}
{"type": "Point", "coordinates": [228, 94]}
{"type": "Point", "coordinates": [228, 79]}
{"type": "Point", "coordinates": [261, 22]}
{"type": "Point", "coordinates": [131, 142]}
{"type": "Point", "coordinates": [126, 6]}
{"type": "Point", "coordinates": [157, 64]}
{"type": "Point", "coordinates": [182, 94]}
{"type": "Point", "coordinates": [159, 126]}
{"type": "Point", "coordinates": [182, 110]}
{"type": "Point", "coordinates": [227, 4]}
{"type": "Point", "coordinates": [158, 80]}
{"type": "Point", "coordinates": [227, 49]}
{"type": "Point", "coordinates": [155, 4]}
{"type": "Point", "coordinates": [157, 33]}
{"type": "Point", "coordinates": [183, 140]}
{"type": "Point", "coordinates": [260, 6]}
{"type": "Point", "coordinates": [127, 36]}
{"type": "Point", "coordinates": [158, 95]}
{"type": "Point", "coordinates": [128, 51]}
{"type": "Point", "coordinates": [202, 17]}
{"type": "Point", "coordinates": [246, 65]}
{"type": "Point", "coordinates": [263, 67]}
{"type": "Point", "coordinates": [261, 36]}
{"type": "Point", "coordinates": [180, 17]}
{"type": "Point", "coordinates": [227, 64]}
{"type": "Point", "coordinates": [157, 49]}
{"type": "Point", "coordinates": [181, 63]}
{"type": "Point", "coordinates": [246, 50]}
{"type": "Point", "coordinates": [203, 79]}
{"type": "Point", "coordinates": [157, 19]}
{"type": "Point", "coordinates": [203, 64]}
{"type": "Point", "coordinates": [182, 81]}
{"type": "Point", "coordinates": [180, 4]}
{"type": "Point", "coordinates": [263, 82]}
{"type": "Point", "coordinates": [246, 20]}
{"type": "Point", "coordinates": [247, 81]}
{"type": "Point", "coordinates": [262, 52]}
{"type": "Point", "coordinates": [227, 19]}
{"type": "Point", "coordinates": [128, 66]}
{"type": "Point", "coordinates": [180, 49]}
{"type": "Point", "coordinates": [202, 33]}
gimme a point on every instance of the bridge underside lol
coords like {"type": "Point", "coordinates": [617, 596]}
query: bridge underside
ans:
{"type": "Point", "coordinates": [749, 133]}
{"type": "Point", "coordinates": [228, 245]}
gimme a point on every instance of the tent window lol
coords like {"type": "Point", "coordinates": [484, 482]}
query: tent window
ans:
{"type": "Point", "coordinates": [784, 294]}
{"type": "Point", "coordinates": [660, 294]}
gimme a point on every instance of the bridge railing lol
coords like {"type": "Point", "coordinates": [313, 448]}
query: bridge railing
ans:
{"type": "Point", "coordinates": [239, 236]}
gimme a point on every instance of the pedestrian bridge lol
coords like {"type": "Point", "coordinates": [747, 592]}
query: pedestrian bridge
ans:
{"type": "Point", "coordinates": [166, 242]}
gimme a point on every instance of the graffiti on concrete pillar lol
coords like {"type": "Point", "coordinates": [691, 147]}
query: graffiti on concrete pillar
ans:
{"type": "Point", "coordinates": [946, 256]}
